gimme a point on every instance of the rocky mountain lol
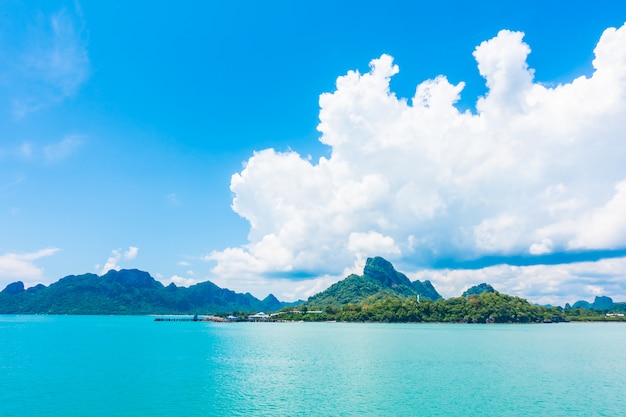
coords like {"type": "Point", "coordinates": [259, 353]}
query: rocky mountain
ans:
{"type": "Point", "coordinates": [478, 289]}
{"type": "Point", "coordinates": [600, 303]}
{"type": "Point", "coordinates": [127, 292]}
{"type": "Point", "coordinates": [379, 278]}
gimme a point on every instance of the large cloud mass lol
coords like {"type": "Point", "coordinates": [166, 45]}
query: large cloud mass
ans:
{"type": "Point", "coordinates": [536, 170]}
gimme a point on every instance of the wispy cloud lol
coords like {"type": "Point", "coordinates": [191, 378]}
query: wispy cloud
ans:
{"type": "Point", "coordinates": [173, 199]}
{"type": "Point", "coordinates": [52, 152]}
{"type": "Point", "coordinates": [51, 61]}
{"type": "Point", "coordinates": [535, 170]}
{"type": "Point", "coordinates": [25, 150]}
{"type": "Point", "coordinates": [63, 149]}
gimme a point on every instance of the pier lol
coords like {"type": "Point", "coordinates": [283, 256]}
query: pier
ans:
{"type": "Point", "coordinates": [194, 318]}
{"type": "Point", "coordinates": [175, 319]}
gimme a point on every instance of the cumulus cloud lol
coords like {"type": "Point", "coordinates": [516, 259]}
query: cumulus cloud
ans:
{"type": "Point", "coordinates": [116, 256]}
{"type": "Point", "coordinates": [371, 242]}
{"type": "Point", "coordinates": [543, 284]}
{"type": "Point", "coordinates": [131, 253]}
{"type": "Point", "coordinates": [21, 266]}
{"type": "Point", "coordinates": [604, 226]}
{"type": "Point", "coordinates": [535, 170]}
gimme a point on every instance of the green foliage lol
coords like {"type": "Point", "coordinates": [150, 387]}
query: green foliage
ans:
{"type": "Point", "coordinates": [127, 292]}
{"type": "Point", "coordinates": [352, 289]}
{"type": "Point", "coordinates": [585, 314]}
{"type": "Point", "coordinates": [488, 307]}
{"type": "Point", "coordinates": [478, 289]}
{"type": "Point", "coordinates": [379, 279]}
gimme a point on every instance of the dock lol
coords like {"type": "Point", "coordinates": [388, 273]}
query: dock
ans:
{"type": "Point", "coordinates": [175, 319]}
{"type": "Point", "coordinates": [194, 318]}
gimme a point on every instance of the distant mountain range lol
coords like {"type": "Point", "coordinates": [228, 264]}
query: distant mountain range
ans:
{"type": "Point", "coordinates": [136, 292]}
{"type": "Point", "coordinates": [600, 303]}
{"type": "Point", "coordinates": [127, 292]}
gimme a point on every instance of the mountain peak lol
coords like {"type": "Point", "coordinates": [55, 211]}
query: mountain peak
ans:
{"type": "Point", "coordinates": [132, 278]}
{"type": "Point", "coordinates": [14, 288]}
{"type": "Point", "coordinates": [379, 277]}
{"type": "Point", "coordinates": [383, 271]}
{"type": "Point", "coordinates": [478, 289]}
{"type": "Point", "coordinates": [603, 302]}
{"type": "Point", "coordinates": [271, 302]}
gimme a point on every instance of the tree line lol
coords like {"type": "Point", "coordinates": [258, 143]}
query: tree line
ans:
{"type": "Point", "coordinates": [488, 307]}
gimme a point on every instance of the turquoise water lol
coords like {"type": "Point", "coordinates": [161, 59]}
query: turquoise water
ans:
{"type": "Point", "coordinates": [133, 366]}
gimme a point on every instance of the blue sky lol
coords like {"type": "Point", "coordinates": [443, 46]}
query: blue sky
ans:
{"type": "Point", "coordinates": [273, 147]}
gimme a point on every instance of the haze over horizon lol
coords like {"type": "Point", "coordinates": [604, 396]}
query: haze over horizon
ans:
{"type": "Point", "coordinates": [273, 148]}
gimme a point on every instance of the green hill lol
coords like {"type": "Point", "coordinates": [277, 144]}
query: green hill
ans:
{"type": "Point", "coordinates": [478, 289]}
{"type": "Point", "coordinates": [379, 279]}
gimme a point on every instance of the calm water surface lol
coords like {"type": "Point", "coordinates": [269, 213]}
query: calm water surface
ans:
{"type": "Point", "coordinates": [133, 366]}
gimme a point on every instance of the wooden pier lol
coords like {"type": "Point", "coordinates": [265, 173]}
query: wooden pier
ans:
{"type": "Point", "coordinates": [194, 318]}
{"type": "Point", "coordinates": [175, 319]}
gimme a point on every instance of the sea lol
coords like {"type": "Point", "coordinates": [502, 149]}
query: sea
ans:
{"type": "Point", "coordinates": [133, 366]}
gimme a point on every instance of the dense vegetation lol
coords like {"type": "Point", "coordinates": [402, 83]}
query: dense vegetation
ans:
{"type": "Point", "coordinates": [126, 292]}
{"type": "Point", "coordinates": [379, 279]}
{"type": "Point", "coordinates": [487, 307]}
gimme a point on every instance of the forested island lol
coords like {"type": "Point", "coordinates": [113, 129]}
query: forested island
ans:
{"type": "Point", "coordinates": [487, 307]}
{"type": "Point", "coordinates": [381, 294]}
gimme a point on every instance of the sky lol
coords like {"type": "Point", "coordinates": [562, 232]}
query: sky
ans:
{"type": "Point", "coordinates": [272, 147]}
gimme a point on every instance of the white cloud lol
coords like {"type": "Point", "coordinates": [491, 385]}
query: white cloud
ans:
{"type": "Point", "coordinates": [498, 234]}
{"type": "Point", "coordinates": [502, 62]}
{"type": "Point", "coordinates": [115, 257]}
{"type": "Point", "coordinates": [541, 248]}
{"type": "Point", "coordinates": [131, 253]}
{"type": "Point", "coordinates": [22, 267]}
{"type": "Point", "coordinates": [605, 226]}
{"type": "Point", "coordinates": [111, 263]}
{"type": "Point", "coordinates": [534, 171]}
{"type": "Point", "coordinates": [180, 281]}
{"type": "Point", "coordinates": [543, 284]}
{"type": "Point", "coordinates": [372, 242]}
